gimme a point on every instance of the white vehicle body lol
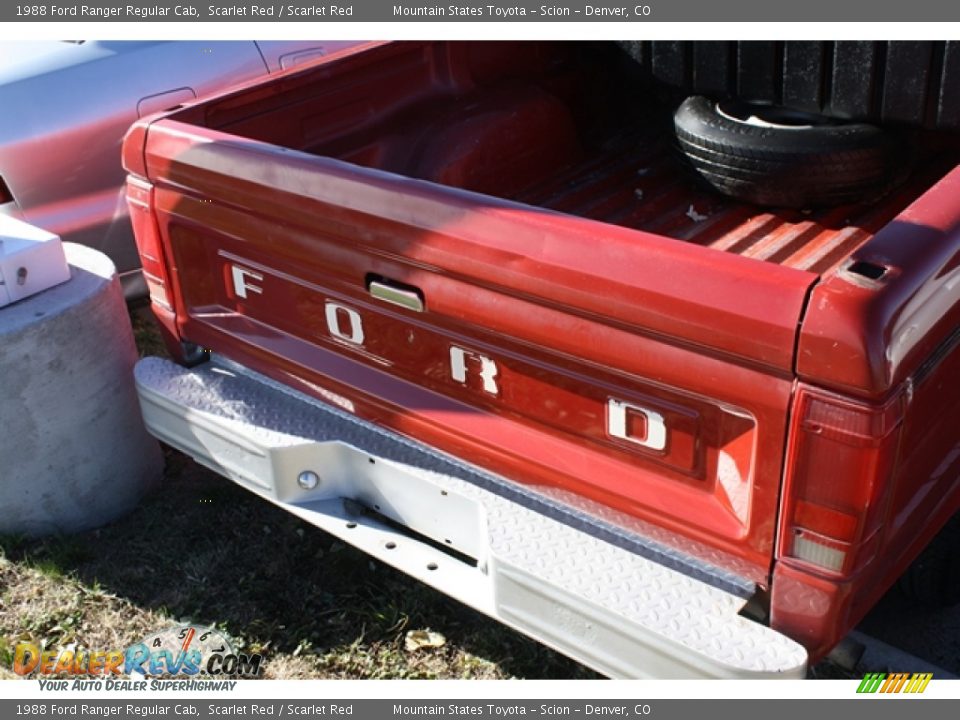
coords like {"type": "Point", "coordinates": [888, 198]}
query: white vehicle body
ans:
{"type": "Point", "coordinates": [68, 104]}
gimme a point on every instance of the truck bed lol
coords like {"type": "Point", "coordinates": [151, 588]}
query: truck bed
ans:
{"type": "Point", "coordinates": [563, 132]}
{"type": "Point", "coordinates": [652, 192]}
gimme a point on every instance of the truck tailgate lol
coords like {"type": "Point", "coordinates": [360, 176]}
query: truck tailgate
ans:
{"type": "Point", "coordinates": [638, 374]}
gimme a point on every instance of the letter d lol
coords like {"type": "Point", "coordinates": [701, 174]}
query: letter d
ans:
{"type": "Point", "coordinates": [25, 658]}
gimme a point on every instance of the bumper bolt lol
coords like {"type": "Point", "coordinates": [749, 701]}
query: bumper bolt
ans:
{"type": "Point", "coordinates": [308, 480]}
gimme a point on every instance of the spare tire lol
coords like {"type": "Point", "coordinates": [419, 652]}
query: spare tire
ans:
{"type": "Point", "coordinates": [778, 157]}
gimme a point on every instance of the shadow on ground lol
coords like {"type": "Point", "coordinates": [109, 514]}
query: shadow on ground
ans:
{"type": "Point", "coordinates": [203, 550]}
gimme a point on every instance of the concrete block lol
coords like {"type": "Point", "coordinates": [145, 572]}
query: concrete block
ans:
{"type": "Point", "coordinates": [73, 450]}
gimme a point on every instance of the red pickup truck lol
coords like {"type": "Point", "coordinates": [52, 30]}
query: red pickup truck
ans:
{"type": "Point", "coordinates": [462, 306]}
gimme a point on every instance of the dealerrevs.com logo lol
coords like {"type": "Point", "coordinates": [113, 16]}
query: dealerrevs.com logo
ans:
{"type": "Point", "coordinates": [176, 652]}
{"type": "Point", "coordinates": [895, 682]}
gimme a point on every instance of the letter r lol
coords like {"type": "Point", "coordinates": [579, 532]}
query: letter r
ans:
{"type": "Point", "coordinates": [488, 368]}
{"type": "Point", "coordinates": [135, 658]}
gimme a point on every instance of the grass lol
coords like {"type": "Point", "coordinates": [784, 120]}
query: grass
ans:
{"type": "Point", "coordinates": [203, 550]}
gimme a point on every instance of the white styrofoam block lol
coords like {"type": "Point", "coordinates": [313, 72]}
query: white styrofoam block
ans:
{"type": "Point", "coordinates": [31, 260]}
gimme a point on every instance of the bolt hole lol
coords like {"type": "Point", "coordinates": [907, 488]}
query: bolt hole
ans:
{"type": "Point", "coordinates": [376, 507]}
{"type": "Point", "coordinates": [443, 492]}
{"type": "Point", "coordinates": [371, 461]}
{"type": "Point", "coordinates": [448, 541]}
{"type": "Point", "coordinates": [351, 525]}
{"type": "Point", "coordinates": [432, 566]}
{"type": "Point", "coordinates": [868, 270]}
{"type": "Point", "coordinates": [391, 545]}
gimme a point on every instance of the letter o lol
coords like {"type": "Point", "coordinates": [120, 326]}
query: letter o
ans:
{"type": "Point", "coordinates": [334, 312]}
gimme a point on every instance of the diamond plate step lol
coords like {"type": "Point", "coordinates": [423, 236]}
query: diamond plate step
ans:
{"type": "Point", "coordinates": [608, 607]}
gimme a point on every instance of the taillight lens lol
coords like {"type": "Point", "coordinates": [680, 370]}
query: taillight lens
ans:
{"type": "Point", "coordinates": [147, 237]}
{"type": "Point", "coordinates": [841, 457]}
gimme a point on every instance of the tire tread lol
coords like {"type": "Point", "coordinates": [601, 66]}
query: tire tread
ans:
{"type": "Point", "coordinates": [806, 167]}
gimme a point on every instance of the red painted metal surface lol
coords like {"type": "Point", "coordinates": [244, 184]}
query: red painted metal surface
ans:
{"type": "Point", "coordinates": [545, 235]}
{"type": "Point", "coordinates": [559, 361]}
{"type": "Point", "coordinates": [867, 336]}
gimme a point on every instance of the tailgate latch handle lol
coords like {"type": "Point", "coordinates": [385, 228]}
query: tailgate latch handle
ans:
{"type": "Point", "coordinates": [395, 293]}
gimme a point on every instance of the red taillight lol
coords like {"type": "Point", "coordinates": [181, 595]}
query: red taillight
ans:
{"type": "Point", "coordinates": [148, 241]}
{"type": "Point", "coordinates": [840, 460]}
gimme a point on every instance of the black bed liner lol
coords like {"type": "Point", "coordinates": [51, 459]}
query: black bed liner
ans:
{"type": "Point", "coordinates": [905, 83]}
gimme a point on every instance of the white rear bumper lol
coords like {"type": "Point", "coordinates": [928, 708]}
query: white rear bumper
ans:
{"type": "Point", "coordinates": [609, 608]}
